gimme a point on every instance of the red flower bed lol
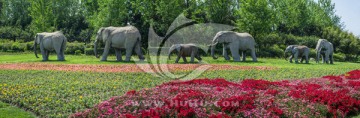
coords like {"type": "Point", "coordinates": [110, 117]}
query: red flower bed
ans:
{"type": "Point", "coordinates": [329, 96]}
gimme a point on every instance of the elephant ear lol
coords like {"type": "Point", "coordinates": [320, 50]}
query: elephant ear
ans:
{"type": "Point", "coordinates": [289, 48]}
{"type": "Point", "coordinates": [105, 33]}
{"type": "Point", "coordinates": [294, 49]}
{"type": "Point", "coordinates": [226, 37]}
{"type": "Point", "coordinates": [178, 47]}
{"type": "Point", "coordinates": [38, 38]}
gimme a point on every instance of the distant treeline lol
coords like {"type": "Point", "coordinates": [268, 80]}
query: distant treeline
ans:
{"type": "Point", "coordinates": [273, 23]}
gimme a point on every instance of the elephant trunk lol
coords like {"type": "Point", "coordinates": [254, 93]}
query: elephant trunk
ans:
{"type": "Point", "coordinates": [172, 48]}
{"type": "Point", "coordinates": [35, 49]}
{"type": "Point", "coordinates": [318, 50]}
{"type": "Point", "coordinates": [213, 51]}
{"type": "Point", "coordinates": [95, 49]}
{"type": "Point", "coordinates": [318, 55]}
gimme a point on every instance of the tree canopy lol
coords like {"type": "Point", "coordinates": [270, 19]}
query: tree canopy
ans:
{"type": "Point", "coordinates": [271, 22]}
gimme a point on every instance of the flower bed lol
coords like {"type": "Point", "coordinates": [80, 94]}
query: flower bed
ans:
{"type": "Point", "coordinates": [328, 96]}
{"type": "Point", "coordinates": [119, 68]}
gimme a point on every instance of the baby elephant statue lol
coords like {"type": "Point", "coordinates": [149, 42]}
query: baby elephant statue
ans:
{"type": "Point", "coordinates": [296, 52]}
{"type": "Point", "coordinates": [49, 42]}
{"type": "Point", "coordinates": [185, 50]}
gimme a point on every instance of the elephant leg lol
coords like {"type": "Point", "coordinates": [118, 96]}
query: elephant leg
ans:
{"type": "Point", "coordinates": [118, 54]}
{"type": "Point", "coordinates": [184, 58]}
{"type": "Point", "coordinates": [323, 58]}
{"type": "Point", "coordinates": [128, 54]}
{"type": "Point", "coordinates": [307, 58]}
{"type": "Point", "coordinates": [62, 50]}
{"type": "Point", "coordinates": [106, 51]}
{"type": "Point", "coordinates": [291, 57]}
{"type": "Point", "coordinates": [243, 56]}
{"type": "Point", "coordinates": [60, 55]}
{"type": "Point", "coordinates": [253, 55]}
{"type": "Point", "coordinates": [326, 58]}
{"type": "Point", "coordinates": [296, 56]}
{"type": "Point", "coordinates": [43, 54]}
{"type": "Point", "coordinates": [235, 53]}
{"type": "Point", "coordinates": [331, 59]}
{"type": "Point", "coordinates": [302, 59]}
{"type": "Point", "coordinates": [58, 52]}
{"type": "Point", "coordinates": [225, 54]}
{"type": "Point", "coordinates": [46, 55]}
{"type": "Point", "coordinates": [138, 51]}
{"type": "Point", "coordinates": [192, 56]}
{"type": "Point", "coordinates": [177, 59]}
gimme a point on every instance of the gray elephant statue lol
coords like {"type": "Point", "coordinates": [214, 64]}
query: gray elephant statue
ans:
{"type": "Point", "coordinates": [127, 38]}
{"type": "Point", "coordinates": [185, 50]}
{"type": "Point", "coordinates": [298, 51]}
{"type": "Point", "coordinates": [235, 42]}
{"type": "Point", "coordinates": [50, 41]}
{"type": "Point", "coordinates": [326, 50]}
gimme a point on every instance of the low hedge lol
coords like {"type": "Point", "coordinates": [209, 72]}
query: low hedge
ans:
{"type": "Point", "coordinates": [77, 48]}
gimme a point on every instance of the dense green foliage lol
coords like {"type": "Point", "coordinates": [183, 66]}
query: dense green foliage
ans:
{"type": "Point", "coordinates": [271, 22]}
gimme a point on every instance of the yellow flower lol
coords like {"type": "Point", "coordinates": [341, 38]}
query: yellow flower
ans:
{"type": "Point", "coordinates": [347, 75]}
{"type": "Point", "coordinates": [80, 97]}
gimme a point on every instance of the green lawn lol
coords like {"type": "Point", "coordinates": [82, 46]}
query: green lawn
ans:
{"type": "Point", "coordinates": [58, 94]}
{"type": "Point", "coordinates": [8, 111]}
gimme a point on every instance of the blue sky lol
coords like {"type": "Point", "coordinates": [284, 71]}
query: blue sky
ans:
{"type": "Point", "coordinates": [349, 11]}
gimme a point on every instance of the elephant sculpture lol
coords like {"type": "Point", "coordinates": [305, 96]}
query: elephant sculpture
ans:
{"type": "Point", "coordinates": [235, 42]}
{"type": "Point", "coordinates": [326, 50]}
{"type": "Point", "coordinates": [127, 38]}
{"type": "Point", "coordinates": [50, 41]}
{"type": "Point", "coordinates": [185, 50]}
{"type": "Point", "coordinates": [298, 51]}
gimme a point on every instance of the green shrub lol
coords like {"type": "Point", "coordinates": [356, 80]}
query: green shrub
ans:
{"type": "Point", "coordinates": [6, 47]}
{"type": "Point", "coordinates": [17, 33]}
{"type": "Point", "coordinates": [276, 51]}
{"type": "Point", "coordinates": [312, 53]}
{"type": "Point", "coordinates": [339, 57]}
{"type": "Point", "coordinates": [72, 47]}
{"type": "Point", "coordinates": [273, 51]}
{"type": "Point", "coordinates": [29, 45]}
{"type": "Point", "coordinates": [90, 51]}
{"type": "Point", "coordinates": [78, 52]}
{"type": "Point", "coordinates": [15, 46]}
{"type": "Point", "coordinates": [309, 41]}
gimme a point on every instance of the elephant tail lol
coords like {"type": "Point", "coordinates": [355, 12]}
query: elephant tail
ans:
{"type": "Point", "coordinates": [140, 51]}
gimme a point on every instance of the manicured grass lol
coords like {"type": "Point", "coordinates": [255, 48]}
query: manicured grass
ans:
{"type": "Point", "coordinates": [8, 111]}
{"type": "Point", "coordinates": [58, 94]}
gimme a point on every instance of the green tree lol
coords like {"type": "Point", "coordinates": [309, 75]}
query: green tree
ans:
{"type": "Point", "coordinates": [256, 17]}
{"type": "Point", "coordinates": [15, 13]}
{"type": "Point", "coordinates": [41, 13]}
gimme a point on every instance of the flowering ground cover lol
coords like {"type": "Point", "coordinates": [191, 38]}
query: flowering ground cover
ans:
{"type": "Point", "coordinates": [119, 68]}
{"type": "Point", "coordinates": [328, 96]}
{"type": "Point", "coordinates": [60, 93]}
